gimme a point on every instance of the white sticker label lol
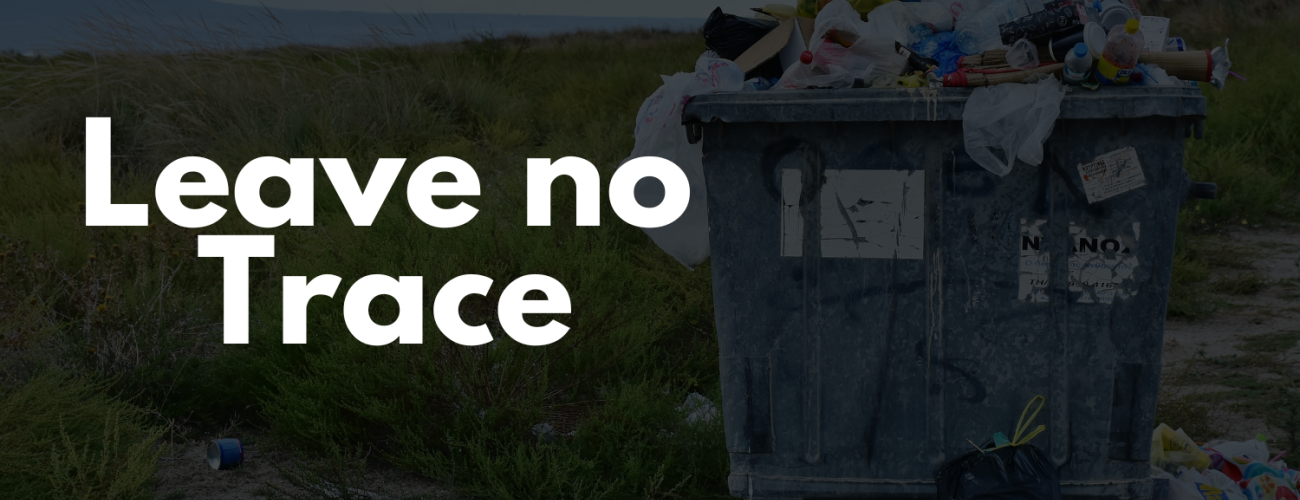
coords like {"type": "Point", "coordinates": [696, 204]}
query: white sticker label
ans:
{"type": "Point", "coordinates": [1102, 264]}
{"type": "Point", "coordinates": [1100, 270]}
{"type": "Point", "coordinates": [1034, 263]}
{"type": "Point", "coordinates": [1112, 174]}
{"type": "Point", "coordinates": [865, 214]}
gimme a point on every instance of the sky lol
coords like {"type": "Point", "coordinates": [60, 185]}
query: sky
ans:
{"type": "Point", "coordinates": [597, 8]}
{"type": "Point", "coordinates": [51, 26]}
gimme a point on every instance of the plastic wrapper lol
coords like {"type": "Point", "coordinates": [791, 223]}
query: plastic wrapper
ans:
{"type": "Point", "coordinates": [1023, 55]}
{"type": "Point", "coordinates": [1012, 472]}
{"type": "Point", "coordinates": [1188, 484]}
{"type": "Point", "coordinates": [1171, 449]}
{"type": "Point", "coordinates": [1222, 64]}
{"type": "Point", "coordinates": [659, 132]}
{"type": "Point", "coordinates": [1269, 487]}
{"type": "Point", "coordinates": [909, 22]}
{"type": "Point", "coordinates": [940, 48]}
{"type": "Point", "coordinates": [835, 66]}
{"type": "Point", "coordinates": [1015, 118]}
{"type": "Point", "coordinates": [1252, 450]}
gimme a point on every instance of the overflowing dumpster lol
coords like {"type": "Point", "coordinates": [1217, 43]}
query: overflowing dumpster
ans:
{"type": "Point", "coordinates": [883, 302]}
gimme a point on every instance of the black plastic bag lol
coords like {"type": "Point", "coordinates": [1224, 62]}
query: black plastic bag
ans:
{"type": "Point", "coordinates": [1011, 472]}
{"type": "Point", "coordinates": [730, 36]}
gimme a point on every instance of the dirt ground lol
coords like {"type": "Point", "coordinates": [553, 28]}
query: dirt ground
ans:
{"type": "Point", "coordinates": [184, 474]}
{"type": "Point", "coordinates": [1231, 357]}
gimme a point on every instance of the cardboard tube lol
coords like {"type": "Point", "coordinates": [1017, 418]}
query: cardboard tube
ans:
{"type": "Point", "coordinates": [1196, 66]}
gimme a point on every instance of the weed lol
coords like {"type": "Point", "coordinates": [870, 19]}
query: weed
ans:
{"type": "Point", "coordinates": [1246, 284]}
{"type": "Point", "coordinates": [1278, 342]}
{"type": "Point", "coordinates": [64, 438]}
{"type": "Point", "coordinates": [1286, 415]}
{"type": "Point", "coordinates": [1190, 410]}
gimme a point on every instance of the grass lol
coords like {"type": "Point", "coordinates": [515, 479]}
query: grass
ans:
{"type": "Point", "coordinates": [136, 311]}
{"type": "Point", "coordinates": [1250, 151]}
{"type": "Point", "coordinates": [134, 304]}
{"type": "Point", "coordinates": [64, 438]}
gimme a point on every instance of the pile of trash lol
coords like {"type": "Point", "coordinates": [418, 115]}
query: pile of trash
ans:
{"type": "Point", "coordinates": [1022, 57]}
{"type": "Point", "coordinates": [957, 43]}
{"type": "Point", "coordinates": [1226, 470]}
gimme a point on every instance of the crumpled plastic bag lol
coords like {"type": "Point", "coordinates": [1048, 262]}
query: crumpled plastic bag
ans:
{"type": "Point", "coordinates": [1023, 55]}
{"type": "Point", "coordinates": [1188, 484]}
{"type": "Point", "coordinates": [1253, 450]}
{"type": "Point", "coordinates": [1222, 65]}
{"type": "Point", "coordinates": [1270, 488]}
{"type": "Point", "coordinates": [1014, 117]}
{"type": "Point", "coordinates": [940, 47]}
{"type": "Point", "coordinates": [1171, 449]}
{"type": "Point", "coordinates": [659, 132]}
{"type": "Point", "coordinates": [1017, 472]}
{"type": "Point", "coordinates": [909, 22]}
{"type": "Point", "coordinates": [835, 66]}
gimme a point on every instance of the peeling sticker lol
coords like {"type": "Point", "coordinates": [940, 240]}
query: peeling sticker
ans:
{"type": "Point", "coordinates": [1101, 265]}
{"type": "Point", "coordinates": [1035, 264]}
{"type": "Point", "coordinates": [865, 214]}
{"type": "Point", "coordinates": [1111, 174]}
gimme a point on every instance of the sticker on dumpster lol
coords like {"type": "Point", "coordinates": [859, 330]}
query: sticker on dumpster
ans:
{"type": "Point", "coordinates": [865, 214]}
{"type": "Point", "coordinates": [1100, 266]}
{"type": "Point", "coordinates": [1111, 174]}
{"type": "Point", "coordinates": [1034, 263]}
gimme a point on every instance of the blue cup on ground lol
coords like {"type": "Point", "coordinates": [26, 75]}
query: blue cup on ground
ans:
{"type": "Point", "coordinates": [225, 454]}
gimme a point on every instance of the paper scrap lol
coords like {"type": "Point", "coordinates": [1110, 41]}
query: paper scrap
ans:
{"type": "Point", "coordinates": [1112, 174]}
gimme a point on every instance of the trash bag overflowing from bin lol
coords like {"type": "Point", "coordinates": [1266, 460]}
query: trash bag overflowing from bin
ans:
{"type": "Point", "coordinates": [970, 40]}
{"type": "Point", "coordinates": [1013, 118]}
{"type": "Point", "coordinates": [659, 132]}
{"type": "Point", "coordinates": [847, 54]}
{"type": "Point", "coordinates": [1008, 469]}
{"type": "Point", "coordinates": [837, 44]}
{"type": "Point", "coordinates": [1229, 470]}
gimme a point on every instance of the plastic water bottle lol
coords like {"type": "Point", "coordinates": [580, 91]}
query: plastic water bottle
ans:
{"type": "Point", "coordinates": [758, 84]}
{"type": "Point", "coordinates": [1121, 54]}
{"type": "Point", "coordinates": [1078, 63]}
{"type": "Point", "coordinates": [979, 32]}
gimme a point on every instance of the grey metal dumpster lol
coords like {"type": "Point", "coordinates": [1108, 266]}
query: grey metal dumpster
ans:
{"type": "Point", "coordinates": [880, 298]}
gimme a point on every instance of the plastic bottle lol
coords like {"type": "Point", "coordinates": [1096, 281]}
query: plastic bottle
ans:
{"type": "Point", "coordinates": [1078, 63]}
{"type": "Point", "coordinates": [978, 32]}
{"type": "Point", "coordinates": [1121, 54]}
{"type": "Point", "coordinates": [758, 84]}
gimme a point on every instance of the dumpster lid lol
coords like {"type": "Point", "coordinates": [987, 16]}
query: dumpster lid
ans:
{"type": "Point", "coordinates": [894, 104]}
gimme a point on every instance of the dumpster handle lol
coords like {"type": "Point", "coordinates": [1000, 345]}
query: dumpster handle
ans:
{"type": "Point", "coordinates": [694, 131]}
{"type": "Point", "coordinates": [1202, 191]}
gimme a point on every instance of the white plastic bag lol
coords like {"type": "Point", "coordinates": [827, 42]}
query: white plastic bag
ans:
{"type": "Point", "coordinates": [834, 66]}
{"type": "Point", "coordinates": [1013, 117]}
{"type": "Point", "coordinates": [659, 132]}
{"type": "Point", "coordinates": [1023, 54]}
{"type": "Point", "coordinates": [1188, 484]}
{"type": "Point", "coordinates": [1217, 479]}
{"type": "Point", "coordinates": [1253, 449]}
{"type": "Point", "coordinates": [909, 22]}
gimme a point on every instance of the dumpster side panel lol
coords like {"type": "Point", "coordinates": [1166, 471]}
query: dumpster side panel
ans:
{"type": "Point", "coordinates": [855, 363]}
